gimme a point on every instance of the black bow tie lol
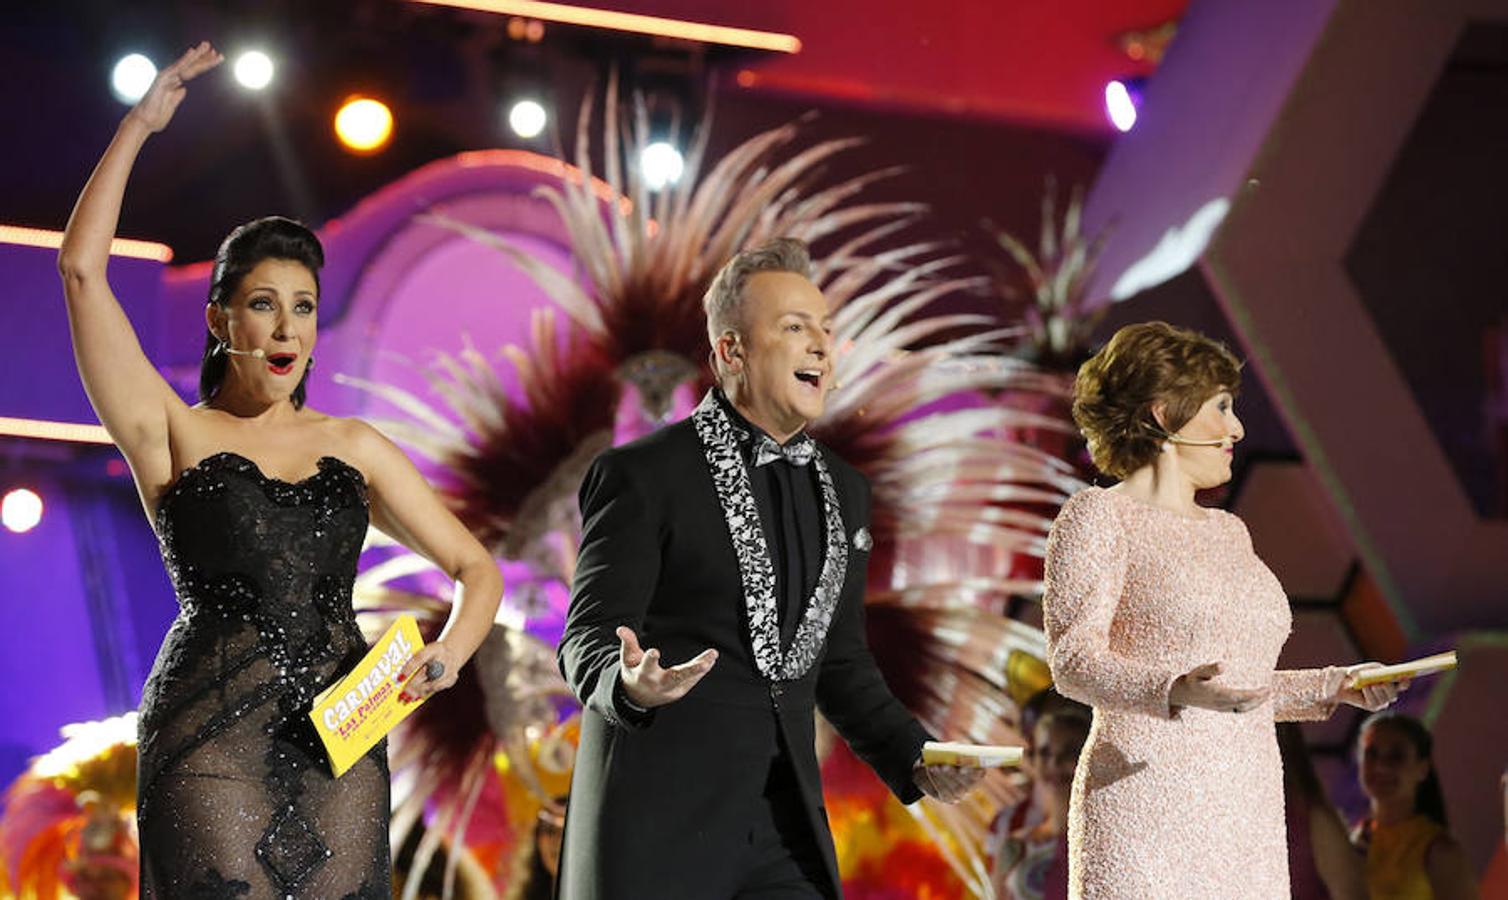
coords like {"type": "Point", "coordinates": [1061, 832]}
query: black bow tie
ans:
{"type": "Point", "coordinates": [798, 452]}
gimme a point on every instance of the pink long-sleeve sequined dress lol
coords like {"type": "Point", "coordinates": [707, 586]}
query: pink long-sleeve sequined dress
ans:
{"type": "Point", "coordinates": [1180, 803]}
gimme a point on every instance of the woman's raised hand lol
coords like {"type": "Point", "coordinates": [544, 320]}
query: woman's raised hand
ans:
{"type": "Point", "coordinates": [155, 109]}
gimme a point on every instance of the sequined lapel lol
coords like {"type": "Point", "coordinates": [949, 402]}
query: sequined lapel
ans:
{"type": "Point", "coordinates": [731, 479]}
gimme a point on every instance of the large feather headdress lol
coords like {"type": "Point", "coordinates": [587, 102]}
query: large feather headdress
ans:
{"type": "Point", "coordinates": [956, 502]}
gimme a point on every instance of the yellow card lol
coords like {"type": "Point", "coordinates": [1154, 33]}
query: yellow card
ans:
{"type": "Point", "coordinates": [354, 713]}
{"type": "Point", "coordinates": [983, 756]}
{"type": "Point", "coordinates": [1429, 665]}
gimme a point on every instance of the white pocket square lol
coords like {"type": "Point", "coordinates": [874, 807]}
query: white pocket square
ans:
{"type": "Point", "coordinates": [861, 540]}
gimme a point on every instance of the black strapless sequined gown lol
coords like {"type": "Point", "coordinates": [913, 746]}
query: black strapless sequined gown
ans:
{"type": "Point", "coordinates": [235, 797]}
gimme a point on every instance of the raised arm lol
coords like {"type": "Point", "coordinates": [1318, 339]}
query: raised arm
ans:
{"type": "Point", "coordinates": [1340, 867]}
{"type": "Point", "coordinates": [130, 398]}
{"type": "Point", "coordinates": [405, 507]}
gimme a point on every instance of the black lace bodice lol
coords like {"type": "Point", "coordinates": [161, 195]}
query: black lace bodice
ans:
{"type": "Point", "coordinates": [235, 793]}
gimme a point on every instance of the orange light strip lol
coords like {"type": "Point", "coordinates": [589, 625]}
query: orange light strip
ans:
{"type": "Point", "coordinates": [46, 237]}
{"type": "Point", "coordinates": [638, 24]}
{"type": "Point", "coordinates": [41, 429]}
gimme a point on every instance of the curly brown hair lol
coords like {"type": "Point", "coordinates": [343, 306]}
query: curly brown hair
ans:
{"type": "Point", "coordinates": [1143, 365]}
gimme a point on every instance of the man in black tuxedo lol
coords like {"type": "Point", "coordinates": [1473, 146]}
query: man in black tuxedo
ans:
{"type": "Point", "coordinates": [735, 546]}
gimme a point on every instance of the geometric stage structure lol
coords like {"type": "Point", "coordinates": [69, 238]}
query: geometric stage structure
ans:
{"type": "Point", "coordinates": [1330, 176]}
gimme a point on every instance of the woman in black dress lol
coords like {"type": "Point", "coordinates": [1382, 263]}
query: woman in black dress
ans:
{"type": "Point", "coordinates": [261, 505]}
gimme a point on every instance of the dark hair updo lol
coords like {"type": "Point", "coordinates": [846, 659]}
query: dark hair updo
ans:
{"type": "Point", "coordinates": [1143, 365]}
{"type": "Point", "coordinates": [273, 237]}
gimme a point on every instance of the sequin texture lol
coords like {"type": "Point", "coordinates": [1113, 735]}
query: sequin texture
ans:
{"type": "Point", "coordinates": [720, 444]}
{"type": "Point", "coordinates": [1171, 802]}
{"type": "Point", "coordinates": [235, 797]}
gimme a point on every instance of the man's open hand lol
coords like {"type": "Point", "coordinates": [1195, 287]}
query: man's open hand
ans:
{"type": "Point", "coordinates": [646, 682]}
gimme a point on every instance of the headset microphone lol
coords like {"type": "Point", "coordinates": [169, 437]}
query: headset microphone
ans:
{"type": "Point", "coordinates": [1187, 442]}
{"type": "Point", "coordinates": [258, 353]}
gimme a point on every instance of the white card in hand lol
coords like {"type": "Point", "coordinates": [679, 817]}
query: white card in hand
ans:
{"type": "Point", "coordinates": [981, 756]}
{"type": "Point", "coordinates": [1429, 665]}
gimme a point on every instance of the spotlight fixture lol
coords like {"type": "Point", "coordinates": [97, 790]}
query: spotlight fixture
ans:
{"type": "Point", "coordinates": [254, 70]}
{"type": "Point", "coordinates": [21, 510]}
{"type": "Point", "coordinates": [527, 118]}
{"type": "Point", "coordinates": [26, 236]}
{"type": "Point", "coordinates": [1148, 45]}
{"type": "Point", "coordinates": [131, 77]}
{"type": "Point", "coordinates": [363, 124]}
{"type": "Point", "coordinates": [661, 165]}
{"type": "Point", "coordinates": [522, 29]}
{"type": "Point", "coordinates": [44, 430]}
{"type": "Point", "coordinates": [1122, 100]}
{"type": "Point", "coordinates": [592, 17]}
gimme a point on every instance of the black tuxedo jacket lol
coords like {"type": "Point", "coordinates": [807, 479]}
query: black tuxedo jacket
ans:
{"type": "Point", "coordinates": [659, 803]}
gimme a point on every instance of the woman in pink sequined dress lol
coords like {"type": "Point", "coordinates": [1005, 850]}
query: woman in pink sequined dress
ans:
{"type": "Point", "coordinates": [1159, 615]}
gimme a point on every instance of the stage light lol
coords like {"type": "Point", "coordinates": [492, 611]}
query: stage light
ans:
{"type": "Point", "coordinates": [363, 124]}
{"type": "Point", "coordinates": [661, 164]}
{"type": "Point", "coordinates": [21, 510]}
{"type": "Point", "coordinates": [131, 77]}
{"type": "Point", "coordinates": [1121, 101]}
{"type": "Point", "coordinates": [527, 118]}
{"type": "Point", "coordinates": [1177, 249]}
{"type": "Point", "coordinates": [26, 236]}
{"type": "Point", "coordinates": [254, 70]}
{"type": "Point", "coordinates": [591, 17]}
